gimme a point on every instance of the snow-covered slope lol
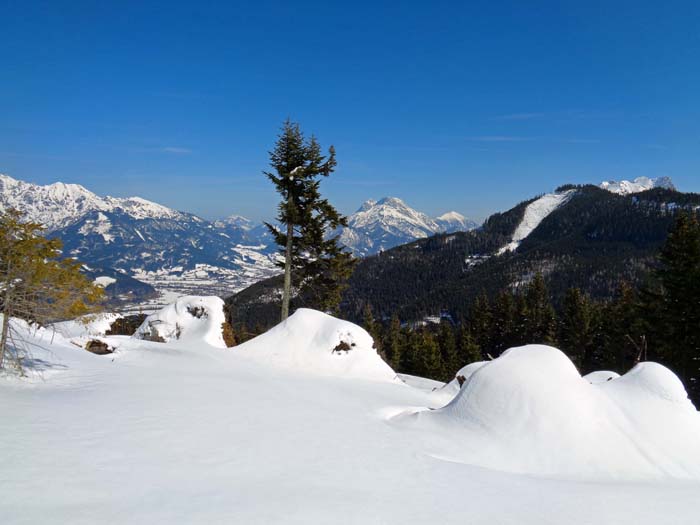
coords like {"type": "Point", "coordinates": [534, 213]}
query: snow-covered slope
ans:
{"type": "Point", "coordinates": [625, 187]}
{"type": "Point", "coordinates": [534, 214]}
{"type": "Point", "coordinates": [89, 325]}
{"type": "Point", "coordinates": [530, 411]}
{"type": "Point", "coordinates": [383, 224]}
{"type": "Point", "coordinates": [173, 433]}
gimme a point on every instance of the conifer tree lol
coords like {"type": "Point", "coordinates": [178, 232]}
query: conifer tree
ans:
{"type": "Point", "coordinates": [311, 254]}
{"type": "Point", "coordinates": [374, 329]}
{"type": "Point", "coordinates": [576, 329]}
{"type": "Point", "coordinates": [35, 284]}
{"type": "Point", "coordinates": [430, 359]}
{"type": "Point", "coordinates": [393, 343]}
{"type": "Point", "coordinates": [448, 351]}
{"type": "Point", "coordinates": [541, 323]}
{"type": "Point", "coordinates": [623, 329]}
{"type": "Point", "coordinates": [480, 322]}
{"type": "Point", "coordinates": [674, 308]}
{"type": "Point", "coordinates": [469, 351]}
{"type": "Point", "coordinates": [504, 323]}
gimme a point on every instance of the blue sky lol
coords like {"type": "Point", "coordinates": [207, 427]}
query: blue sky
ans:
{"type": "Point", "coordinates": [471, 106]}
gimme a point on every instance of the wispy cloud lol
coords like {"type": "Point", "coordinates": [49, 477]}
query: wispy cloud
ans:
{"type": "Point", "coordinates": [519, 116]}
{"type": "Point", "coordinates": [581, 141]}
{"type": "Point", "coordinates": [175, 150]}
{"type": "Point", "coordinates": [499, 138]}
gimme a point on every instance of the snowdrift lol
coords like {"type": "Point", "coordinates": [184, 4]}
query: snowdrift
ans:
{"type": "Point", "coordinates": [530, 411]}
{"type": "Point", "coordinates": [448, 392]}
{"type": "Point", "coordinates": [86, 326]}
{"type": "Point", "coordinates": [316, 343]}
{"type": "Point", "coordinates": [190, 319]}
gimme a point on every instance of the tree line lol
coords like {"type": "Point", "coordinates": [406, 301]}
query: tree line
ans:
{"type": "Point", "coordinates": [657, 321]}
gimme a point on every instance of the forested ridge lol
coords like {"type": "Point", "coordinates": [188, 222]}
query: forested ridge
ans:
{"type": "Point", "coordinates": [587, 280]}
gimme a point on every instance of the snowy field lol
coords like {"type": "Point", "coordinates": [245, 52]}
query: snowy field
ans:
{"type": "Point", "coordinates": [306, 424]}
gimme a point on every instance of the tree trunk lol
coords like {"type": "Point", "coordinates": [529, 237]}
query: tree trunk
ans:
{"type": "Point", "coordinates": [5, 325]}
{"type": "Point", "coordinates": [286, 293]}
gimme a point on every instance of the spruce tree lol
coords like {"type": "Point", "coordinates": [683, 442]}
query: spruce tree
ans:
{"type": "Point", "coordinates": [504, 323]}
{"type": "Point", "coordinates": [393, 344]}
{"type": "Point", "coordinates": [469, 351]}
{"type": "Point", "coordinates": [674, 308]}
{"type": "Point", "coordinates": [374, 329]}
{"type": "Point", "coordinates": [480, 322]}
{"type": "Point", "coordinates": [541, 324]}
{"type": "Point", "coordinates": [576, 329]}
{"type": "Point", "coordinates": [311, 255]}
{"type": "Point", "coordinates": [430, 359]}
{"type": "Point", "coordinates": [448, 351]}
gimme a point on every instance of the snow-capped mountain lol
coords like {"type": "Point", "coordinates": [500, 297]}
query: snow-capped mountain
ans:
{"type": "Point", "coordinates": [454, 222]}
{"type": "Point", "coordinates": [236, 221]}
{"type": "Point", "coordinates": [625, 187]}
{"type": "Point", "coordinates": [183, 253]}
{"type": "Point", "coordinates": [58, 205]}
{"type": "Point", "coordinates": [168, 249]}
{"type": "Point", "coordinates": [380, 225]}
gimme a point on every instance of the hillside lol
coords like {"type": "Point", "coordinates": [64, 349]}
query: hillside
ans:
{"type": "Point", "coordinates": [293, 427]}
{"type": "Point", "coordinates": [593, 239]}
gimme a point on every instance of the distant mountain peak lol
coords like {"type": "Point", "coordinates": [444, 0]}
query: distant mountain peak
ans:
{"type": "Point", "coordinates": [59, 204]}
{"type": "Point", "coordinates": [367, 205]}
{"type": "Point", "coordinates": [451, 216]}
{"type": "Point", "coordinates": [387, 222]}
{"type": "Point", "coordinates": [237, 221]}
{"type": "Point", "coordinates": [625, 187]}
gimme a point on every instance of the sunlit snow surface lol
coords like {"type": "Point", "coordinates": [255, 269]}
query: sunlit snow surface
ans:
{"type": "Point", "coordinates": [535, 213]}
{"type": "Point", "coordinates": [171, 433]}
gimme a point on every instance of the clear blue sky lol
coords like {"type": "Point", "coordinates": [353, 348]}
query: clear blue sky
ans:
{"type": "Point", "coordinates": [471, 106]}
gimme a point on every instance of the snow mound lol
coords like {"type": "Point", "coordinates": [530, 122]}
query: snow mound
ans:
{"type": "Point", "coordinates": [450, 390]}
{"type": "Point", "coordinates": [530, 411]}
{"type": "Point", "coordinates": [87, 325]}
{"type": "Point", "coordinates": [190, 319]}
{"type": "Point", "coordinates": [601, 376]}
{"type": "Point", "coordinates": [317, 343]}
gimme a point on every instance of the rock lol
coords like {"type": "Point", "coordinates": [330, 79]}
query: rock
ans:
{"type": "Point", "coordinates": [98, 347]}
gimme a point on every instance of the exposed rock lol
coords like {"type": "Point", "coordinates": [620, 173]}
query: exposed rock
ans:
{"type": "Point", "coordinates": [98, 347]}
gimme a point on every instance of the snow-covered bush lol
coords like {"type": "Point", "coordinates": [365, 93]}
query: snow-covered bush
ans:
{"type": "Point", "coordinates": [189, 319]}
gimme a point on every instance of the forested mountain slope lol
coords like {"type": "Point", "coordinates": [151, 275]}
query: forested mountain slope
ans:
{"type": "Point", "coordinates": [595, 239]}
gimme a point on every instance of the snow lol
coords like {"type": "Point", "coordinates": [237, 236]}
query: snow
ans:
{"type": "Point", "coordinates": [104, 281]}
{"type": "Point", "coordinates": [535, 213]}
{"type": "Point", "coordinates": [87, 325]}
{"type": "Point", "coordinates": [383, 224]}
{"type": "Point", "coordinates": [625, 187]}
{"type": "Point", "coordinates": [447, 392]}
{"type": "Point", "coordinates": [57, 205]}
{"type": "Point", "coordinates": [529, 411]}
{"type": "Point", "coordinates": [190, 433]}
{"type": "Point", "coordinates": [190, 319]}
{"type": "Point", "coordinates": [309, 341]}
{"type": "Point", "coordinates": [601, 376]}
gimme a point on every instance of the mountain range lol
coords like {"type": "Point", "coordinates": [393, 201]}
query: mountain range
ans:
{"type": "Point", "coordinates": [180, 252]}
{"type": "Point", "coordinates": [590, 237]}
